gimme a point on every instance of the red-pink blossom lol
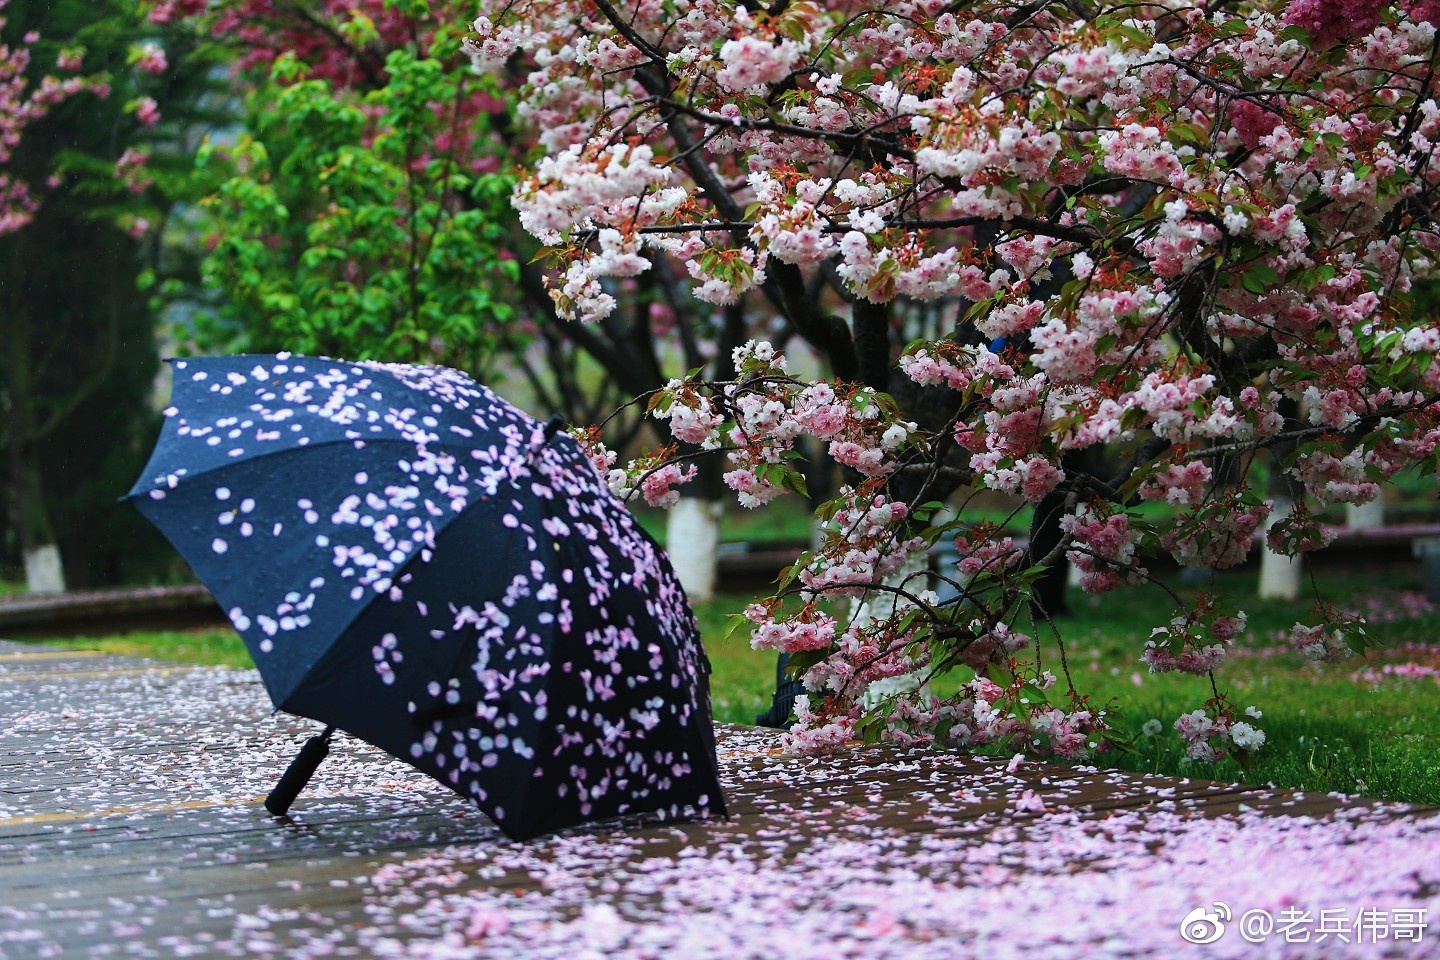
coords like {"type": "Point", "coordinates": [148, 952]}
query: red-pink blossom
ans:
{"type": "Point", "coordinates": [1331, 21]}
{"type": "Point", "coordinates": [147, 111]}
{"type": "Point", "coordinates": [151, 59]}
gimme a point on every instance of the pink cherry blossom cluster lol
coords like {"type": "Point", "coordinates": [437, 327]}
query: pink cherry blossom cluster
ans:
{"type": "Point", "coordinates": [1181, 485]}
{"type": "Point", "coordinates": [1162, 240]}
{"type": "Point", "coordinates": [1337, 479]}
{"type": "Point", "coordinates": [947, 362]}
{"type": "Point", "coordinates": [693, 418]}
{"type": "Point", "coordinates": [862, 655]}
{"type": "Point", "coordinates": [1103, 548]}
{"type": "Point", "coordinates": [1217, 536]}
{"type": "Point", "coordinates": [132, 169]}
{"type": "Point", "coordinates": [818, 733]}
{"type": "Point", "coordinates": [986, 714]}
{"type": "Point", "coordinates": [21, 105]}
{"type": "Point", "coordinates": [844, 658]}
{"type": "Point", "coordinates": [813, 629]}
{"type": "Point", "coordinates": [658, 487]}
{"type": "Point", "coordinates": [1210, 734]}
{"type": "Point", "coordinates": [1324, 642]}
{"type": "Point", "coordinates": [758, 418]}
{"type": "Point", "coordinates": [168, 11]}
{"type": "Point", "coordinates": [1331, 22]}
{"type": "Point", "coordinates": [150, 58]}
{"type": "Point", "coordinates": [750, 61]}
{"type": "Point", "coordinates": [988, 550]}
{"type": "Point", "coordinates": [861, 545]}
{"type": "Point", "coordinates": [1068, 734]}
{"type": "Point", "coordinates": [146, 110]}
{"type": "Point", "coordinates": [1190, 644]}
{"type": "Point", "coordinates": [653, 477]}
{"type": "Point", "coordinates": [70, 59]}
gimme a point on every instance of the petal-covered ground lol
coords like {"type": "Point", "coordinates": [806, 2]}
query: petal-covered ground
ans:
{"type": "Point", "coordinates": [130, 825]}
{"type": "Point", "coordinates": [926, 857]}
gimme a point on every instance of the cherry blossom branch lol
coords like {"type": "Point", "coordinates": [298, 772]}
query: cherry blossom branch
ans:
{"type": "Point", "coordinates": [1305, 433]}
{"type": "Point", "coordinates": [1082, 235]}
{"type": "Point", "coordinates": [858, 138]}
{"type": "Point", "coordinates": [623, 27]}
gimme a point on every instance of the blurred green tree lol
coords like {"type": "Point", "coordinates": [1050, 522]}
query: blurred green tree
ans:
{"type": "Point", "coordinates": [367, 213]}
{"type": "Point", "coordinates": [357, 217]}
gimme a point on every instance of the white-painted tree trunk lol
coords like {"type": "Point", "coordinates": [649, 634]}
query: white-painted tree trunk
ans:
{"type": "Point", "coordinates": [1279, 574]}
{"type": "Point", "coordinates": [913, 577]}
{"type": "Point", "coordinates": [1365, 516]}
{"type": "Point", "coordinates": [692, 536]}
{"type": "Point", "coordinates": [43, 570]}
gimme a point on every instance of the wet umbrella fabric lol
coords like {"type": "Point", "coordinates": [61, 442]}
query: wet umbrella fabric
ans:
{"type": "Point", "coordinates": [414, 560]}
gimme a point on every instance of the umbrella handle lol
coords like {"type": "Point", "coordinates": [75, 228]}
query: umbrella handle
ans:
{"type": "Point", "coordinates": [301, 769]}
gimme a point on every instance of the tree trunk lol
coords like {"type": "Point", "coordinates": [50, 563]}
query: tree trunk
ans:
{"type": "Point", "coordinates": [1279, 574]}
{"type": "Point", "coordinates": [912, 577]}
{"type": "Point", "coordinates": [1048, 599]}
{"type": "Point", "coordinates": [28, 515]}
{"type": "Point", "coordinates": [1365, 516]}
{"type": "Point", "coordinates": [692, 536]}
{"type": "Point", "coordinates": [44, 572]}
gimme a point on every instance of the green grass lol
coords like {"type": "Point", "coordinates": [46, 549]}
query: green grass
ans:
{"type": "Point", "coordinates": [787, 520]}
{"type": "Point", "coordinates": [1327, 730]}
{"type": "Point", "coordinates": [221, 648]}
{"type": "Point", "coordinates": [742, 679]}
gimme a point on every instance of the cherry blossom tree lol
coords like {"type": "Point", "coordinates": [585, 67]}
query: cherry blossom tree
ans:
{"type": "Point", "coordinates": [1170, 242]}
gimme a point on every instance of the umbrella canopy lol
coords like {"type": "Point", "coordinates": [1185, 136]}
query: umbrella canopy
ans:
{"type": "Point", "coordinates": [412, 559]}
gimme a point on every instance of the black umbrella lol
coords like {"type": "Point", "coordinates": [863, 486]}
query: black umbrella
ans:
{"type": "Point", "coordinates": [413, 560]}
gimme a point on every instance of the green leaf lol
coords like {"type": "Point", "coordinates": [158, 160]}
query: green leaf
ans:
{"type": "Point", "coordinates": [1187, 133]}
{"type": "Point", "coordinates": [1260, 279]}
